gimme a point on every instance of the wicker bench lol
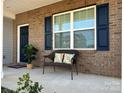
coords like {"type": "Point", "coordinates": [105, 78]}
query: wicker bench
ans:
{"type": "Point", "coordinates": [72, 64]}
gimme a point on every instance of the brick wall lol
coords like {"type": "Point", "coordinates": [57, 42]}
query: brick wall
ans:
{"type": "Point", "coordinates": [96, 62]}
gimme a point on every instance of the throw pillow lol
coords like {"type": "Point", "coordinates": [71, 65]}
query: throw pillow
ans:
{"type": "Point", "coordinates": [67, 58]}
{"type": "Point", "coordinates": [58, 57]}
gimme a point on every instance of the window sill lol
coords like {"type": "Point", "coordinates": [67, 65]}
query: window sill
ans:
{"type": "Point", "coordinates": [74, 49]}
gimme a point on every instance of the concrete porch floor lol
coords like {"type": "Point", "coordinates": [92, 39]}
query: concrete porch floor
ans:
{"type": "Point", "coordinates": [60, 81]}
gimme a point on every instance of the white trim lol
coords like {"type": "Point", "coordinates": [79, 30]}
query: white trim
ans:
{"type": "Point", "coordinates": [18, 41]}
{"type": "Point", "coordinates": [62, 13]}
{"type": "Point", "coordinates": [83, 29]}
{"type": "Point", "coordinates": [53, 34]}
{"type": "Point", "coordinates": [89, 7]}
{"type": "Point", "coordinates": [95, 33]}
{"type": "Point", "coordinates": [74, 48]}
{"type": "Point", "coordinates": [1, 41]}
{"type": "Point", "coordinates": [75, 10]}
{"type": "Point", "coordinates": [71, 32]}
{"type": "Point", "coordinates": [62, 31]}
{"type": "Point", "coordinates": [72, 29]}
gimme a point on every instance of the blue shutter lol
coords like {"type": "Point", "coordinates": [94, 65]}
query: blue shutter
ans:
{"type": "Point", "coordinates": [48, 33]}
{"type": "Point", "coordinates": [103, 27]}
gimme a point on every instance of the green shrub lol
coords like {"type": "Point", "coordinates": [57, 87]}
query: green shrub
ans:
{"type": "Point", "coordinates": [5, 90]}
{"type": "Point", "coordinates": [25, 85]}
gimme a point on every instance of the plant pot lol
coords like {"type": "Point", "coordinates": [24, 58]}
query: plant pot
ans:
{"type": "Point", "coordinates": [29, 66]}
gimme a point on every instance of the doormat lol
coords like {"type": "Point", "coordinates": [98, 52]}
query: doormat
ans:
{"type": "Point", "coordinates": [17, 66]}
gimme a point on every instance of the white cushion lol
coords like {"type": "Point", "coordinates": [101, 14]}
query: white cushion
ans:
{"type": "Point", "coordinates": [58, 57]}
{"type": "Point", "coordinates": [67, 58]}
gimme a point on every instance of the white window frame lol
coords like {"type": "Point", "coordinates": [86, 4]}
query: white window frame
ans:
{"type": "Point", "coordinates": [72, 30]}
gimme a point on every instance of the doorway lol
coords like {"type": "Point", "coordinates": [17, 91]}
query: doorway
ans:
{"type": "Point", "coordinates": [23, 33]}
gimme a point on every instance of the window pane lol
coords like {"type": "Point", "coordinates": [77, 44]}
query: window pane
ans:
{"type": "Point", "coordinates": [62, 40]}
{"type": "Point", "coordinates": [84, 19]}
{"type": "Point", "coordinates": [62, 22]}
{"type": "Point", "coordinates": [84, 39]}
{"type": "Point", "coordinates": [56, 23]}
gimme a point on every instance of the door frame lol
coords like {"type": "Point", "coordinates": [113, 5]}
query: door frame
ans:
{"type": "Point", "coordinates": [18, 41]}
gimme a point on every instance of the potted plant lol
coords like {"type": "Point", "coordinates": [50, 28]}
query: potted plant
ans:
{"type": "Point", "coordinates": [30, 54]}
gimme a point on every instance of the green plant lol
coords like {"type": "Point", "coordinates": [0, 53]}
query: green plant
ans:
{"type": "Point", "coordinates": [5, 90]}
{"type": "Point", "coordinates": [30, 53]}
{"type": "Point", "coordinates": [25, 85]}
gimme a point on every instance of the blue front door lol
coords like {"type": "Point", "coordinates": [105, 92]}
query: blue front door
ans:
{"type": "Point", "coordinates": [23, 42]}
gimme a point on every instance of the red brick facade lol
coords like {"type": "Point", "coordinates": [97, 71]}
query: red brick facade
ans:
{"type": "Point", "coordinates": [90, 61]}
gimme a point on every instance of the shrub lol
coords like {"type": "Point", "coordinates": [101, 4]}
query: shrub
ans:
{"type": "Point", "coordinates": [26, 85]}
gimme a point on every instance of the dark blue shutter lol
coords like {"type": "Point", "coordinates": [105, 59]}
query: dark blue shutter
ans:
{"type": "Point", "coordinates": [48, 33]}
{"type": "Point", "coordinates": [102, 27]}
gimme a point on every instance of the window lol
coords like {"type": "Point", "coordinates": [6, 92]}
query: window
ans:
{"type": "Point", "coordinates": [75, 29]}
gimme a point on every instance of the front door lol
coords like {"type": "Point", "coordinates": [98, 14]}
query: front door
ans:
{"type": "Point", "coordinates": [23, 42]}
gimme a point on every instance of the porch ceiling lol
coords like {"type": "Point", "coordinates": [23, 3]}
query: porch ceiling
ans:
{"type": "Point", "coordinates": [12, 7]}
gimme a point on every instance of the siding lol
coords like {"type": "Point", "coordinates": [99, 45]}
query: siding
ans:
{"type": "Point", "coordinates": [7, 40]}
